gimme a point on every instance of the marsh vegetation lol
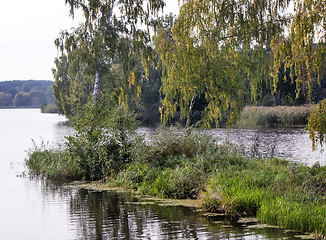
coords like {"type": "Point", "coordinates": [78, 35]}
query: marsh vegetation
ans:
{"type": "Point", "coordinates": [185, 163]}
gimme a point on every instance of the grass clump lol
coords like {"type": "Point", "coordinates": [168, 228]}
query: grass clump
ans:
{"type": "Point", "coordinates": [284, 116]}
{"type": "Point", "coordinates": [277, 192]}
{"type": "Point", "coordinates": [173, 163]}
{"type": "Point", "coordinates": [51, 162]}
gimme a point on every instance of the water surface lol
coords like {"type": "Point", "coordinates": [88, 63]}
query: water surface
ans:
{"type": "Point", "coordinates": [36, 209]}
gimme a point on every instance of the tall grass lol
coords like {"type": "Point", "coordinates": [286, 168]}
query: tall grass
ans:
{"type": "Point", "coordinates": [52, 162]}
{"type": "Point", "coordinates": [178, 163]}
{"type": "Point", "coordinates": [285, 116]}
{"type": "Point", "coordinates": [277, 192]}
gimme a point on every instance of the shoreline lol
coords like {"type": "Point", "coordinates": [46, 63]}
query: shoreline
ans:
{"type": "Point", "coordinates": [102, 187]}
{"type": "Point", "coordinates": [195, 204]}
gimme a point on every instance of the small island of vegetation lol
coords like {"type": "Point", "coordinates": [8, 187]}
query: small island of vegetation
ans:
{"type": "Point", "coordinates": [205, 67]}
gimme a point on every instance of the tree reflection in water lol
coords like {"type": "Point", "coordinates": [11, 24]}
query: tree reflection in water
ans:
{"type": "Point", "coordinates": [115, 215]}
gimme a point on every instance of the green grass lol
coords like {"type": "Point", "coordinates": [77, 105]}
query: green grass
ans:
{"type": "Point", "coordinates": [178, 163]}
{"type": "Point", "coordinates": [285, 116]}
{"type": "Point", "coordinates": [277, 192]}
{"type": "Point", "coordinates": [51, 162]}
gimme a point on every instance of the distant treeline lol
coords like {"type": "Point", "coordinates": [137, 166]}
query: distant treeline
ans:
{"type": "Point", "coordinates": [30, 93]}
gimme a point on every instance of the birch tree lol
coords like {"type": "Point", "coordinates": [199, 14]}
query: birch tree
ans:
{"type": "Point", "coordinates": [113, 30]}
{"type": "Point", "coordinates": [214, 46]}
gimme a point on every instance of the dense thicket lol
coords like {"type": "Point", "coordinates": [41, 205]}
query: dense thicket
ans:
{"type": "Point", "coordinates": [30, 93]}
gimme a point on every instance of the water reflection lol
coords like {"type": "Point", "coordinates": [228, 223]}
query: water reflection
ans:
{"type": "Point", "coordinates": [35, 209]}
{"type": "Point", "coordinates": [117, 215]}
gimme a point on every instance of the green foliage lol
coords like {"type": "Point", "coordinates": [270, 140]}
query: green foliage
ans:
{"type": "Point", "coordinates": [173, 141]}
{"type": "Point", "coordinates": [277, 192]}
{"type": "Point", "coordinates": [100, 146]}
{"type": "Point", "coordinates": [306, 217]}
{"type": "Point", "coordinates": [112, 34]}
{"type": "Point", "coordinates": [52, 162]}
{"type": "Point", "coordinates": [175, 163]}
{"type": "Point", "coordinates": [174, 182]}
{"type": "Point", "coordinates": [214, 47]}
{"type": "Point", "coordinates": [302, 52]}
{"type": "Point", "coordinates": [102, 141]}
{"type": "Point", "coordinates": [317, 125]}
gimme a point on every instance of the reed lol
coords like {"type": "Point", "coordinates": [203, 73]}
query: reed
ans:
{"type": "Point", "coordinates": [285, 116]}
{"type": "Point", "coordinates": [51, 162]}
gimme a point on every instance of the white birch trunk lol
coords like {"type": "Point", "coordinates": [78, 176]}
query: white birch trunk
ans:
{"type": "Point", "coordinates": [101, 59]}
{"type": "Point", "coordinates": [95, 87]}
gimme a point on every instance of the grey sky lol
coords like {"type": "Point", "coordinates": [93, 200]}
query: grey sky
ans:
{"type": "Point", "coordinates": [28, 29]}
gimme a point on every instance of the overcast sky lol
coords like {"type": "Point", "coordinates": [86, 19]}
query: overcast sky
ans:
{"type": "Point", "coordinates": [28, 29]}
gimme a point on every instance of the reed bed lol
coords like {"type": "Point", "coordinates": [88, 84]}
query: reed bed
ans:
{"type": "Point", "coordinates": [277, 116]}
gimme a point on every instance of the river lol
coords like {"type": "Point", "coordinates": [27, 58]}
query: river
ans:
{"type": "Point", "coordinates": [36, 209]}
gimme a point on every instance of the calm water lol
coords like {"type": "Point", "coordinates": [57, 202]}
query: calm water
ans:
{"type": "Point", "coordinates": [34, 209]}
{"type": "Point", "coordinates": [291, 144]}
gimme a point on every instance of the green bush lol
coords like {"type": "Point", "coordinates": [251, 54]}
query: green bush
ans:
{"type": "Point", "coordinates": [100, 146]}
{"type": "Point", "coordinates": [184, 180]}
{"type": "Point", "coordinates": [173, 141]}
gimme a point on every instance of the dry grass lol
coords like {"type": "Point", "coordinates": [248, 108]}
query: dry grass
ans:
{"type": "Point", "coordinates": [282, 116]}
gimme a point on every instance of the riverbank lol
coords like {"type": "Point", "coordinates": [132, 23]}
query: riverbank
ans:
{"type": "Point", "coordinates": [185, 164]}
{"type": "Point", "coordinates": [195, 204]}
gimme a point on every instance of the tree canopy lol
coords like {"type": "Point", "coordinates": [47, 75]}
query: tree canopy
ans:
{"type": "Point", "coordinates": [214, 48]}
{"type": "Point", "coordinates": [29, 93]}
{"type": "Point", "coordinates": [222, 52]}
{"type": "Point", "coordinates": [302, 49]}
{"type": "Point", "coordinates": [112, 32]}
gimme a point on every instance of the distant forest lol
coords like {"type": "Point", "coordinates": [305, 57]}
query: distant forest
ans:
{"type": "Point", "coordinates": [30, 93]}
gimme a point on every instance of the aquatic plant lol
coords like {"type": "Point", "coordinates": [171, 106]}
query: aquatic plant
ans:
{"type": "Point", "coordinates": [286, 116]}
{"type": "Point", "coordinates": [276, 191]}
{"type": "Point", "coordinates": [51, 162]}
{"type": "Point", "coordinates": [189, 164]}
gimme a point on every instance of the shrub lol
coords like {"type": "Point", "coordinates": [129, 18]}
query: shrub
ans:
{"type": "Point", "coordinates": [100, 146]}
{"type": "Point", "coordinates": [174, 141]}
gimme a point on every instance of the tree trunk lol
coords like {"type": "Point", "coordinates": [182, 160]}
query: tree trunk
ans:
{"type": "Point", "coordinates": [95, 87]}
{"type": "Point", "coordinates": [191, 112]}
{"type": "Point", "coordinates": [101, 58]}
{"type": "Point", "coordinates": [277, 99]}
